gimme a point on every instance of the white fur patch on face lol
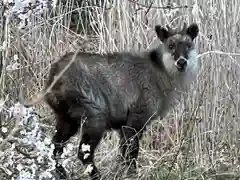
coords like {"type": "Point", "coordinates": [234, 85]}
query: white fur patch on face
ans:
{"type": "Point", "coordinates": [192, 67]}
{"type": "Point", "coordinates": [169, 63]}
{"type": "Point", "coordinates": [193, 62]}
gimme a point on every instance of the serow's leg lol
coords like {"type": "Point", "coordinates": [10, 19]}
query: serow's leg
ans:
{"type": "Point", "coordinates": [65, 128]}
{"type": "Point", "coordinates": [90, 139]}
{"type": "Point", "coordinates": [130, 135]}
{"type": "Point", "coordinates": [129, 144]}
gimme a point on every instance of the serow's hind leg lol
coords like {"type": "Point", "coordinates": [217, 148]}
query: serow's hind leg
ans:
{"type": "Point", "coordinates": [92, 134]}
{"type": "Point", "coordinates": [65, 128]}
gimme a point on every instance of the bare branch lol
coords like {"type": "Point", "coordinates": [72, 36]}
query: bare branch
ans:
{"type": "Point", "coordinates": [158, 7]}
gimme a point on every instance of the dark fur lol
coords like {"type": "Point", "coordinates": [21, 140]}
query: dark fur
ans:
{"type": "Point", "coordinates": [120, 91]}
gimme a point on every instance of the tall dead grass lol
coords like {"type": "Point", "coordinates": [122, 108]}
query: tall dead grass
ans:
{"type": "Point", "coordinates": [197, 140]}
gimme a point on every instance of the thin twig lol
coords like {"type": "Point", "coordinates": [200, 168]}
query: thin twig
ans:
{"type": "Point", "coordinates": [158, 7]}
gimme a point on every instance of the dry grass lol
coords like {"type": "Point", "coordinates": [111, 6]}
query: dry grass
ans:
{"type": "Point", "coordinates": [197, 140]}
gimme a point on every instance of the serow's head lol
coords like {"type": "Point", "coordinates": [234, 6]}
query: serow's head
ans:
{"type": "Point", "coordinates": [178, 50]}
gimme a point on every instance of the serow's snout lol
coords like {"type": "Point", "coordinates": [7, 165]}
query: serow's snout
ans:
{"type": "Point", "coordinates": [181, 64]}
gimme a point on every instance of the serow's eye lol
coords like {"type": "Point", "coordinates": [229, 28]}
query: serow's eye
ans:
{"type": "Point", "coordinates": [171, 46]}
{"type": "Point", "coordinates": [189, 46]}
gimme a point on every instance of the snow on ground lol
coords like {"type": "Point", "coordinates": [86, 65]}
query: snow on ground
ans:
{"type": "Point", "coordinates": [22, 9]}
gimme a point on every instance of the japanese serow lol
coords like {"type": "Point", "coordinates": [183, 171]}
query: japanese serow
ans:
{"type": "Point", "coordinates": [119, 91]}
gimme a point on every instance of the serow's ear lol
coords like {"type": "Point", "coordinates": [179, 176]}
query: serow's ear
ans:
{"type": "Point", "coordinates": [162, 33]}
{"type": "Point", "coordinates": [193, 30]}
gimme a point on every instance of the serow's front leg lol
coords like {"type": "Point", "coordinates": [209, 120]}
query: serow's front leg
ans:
{"type": "Point", "coordinates": [129, 140]}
